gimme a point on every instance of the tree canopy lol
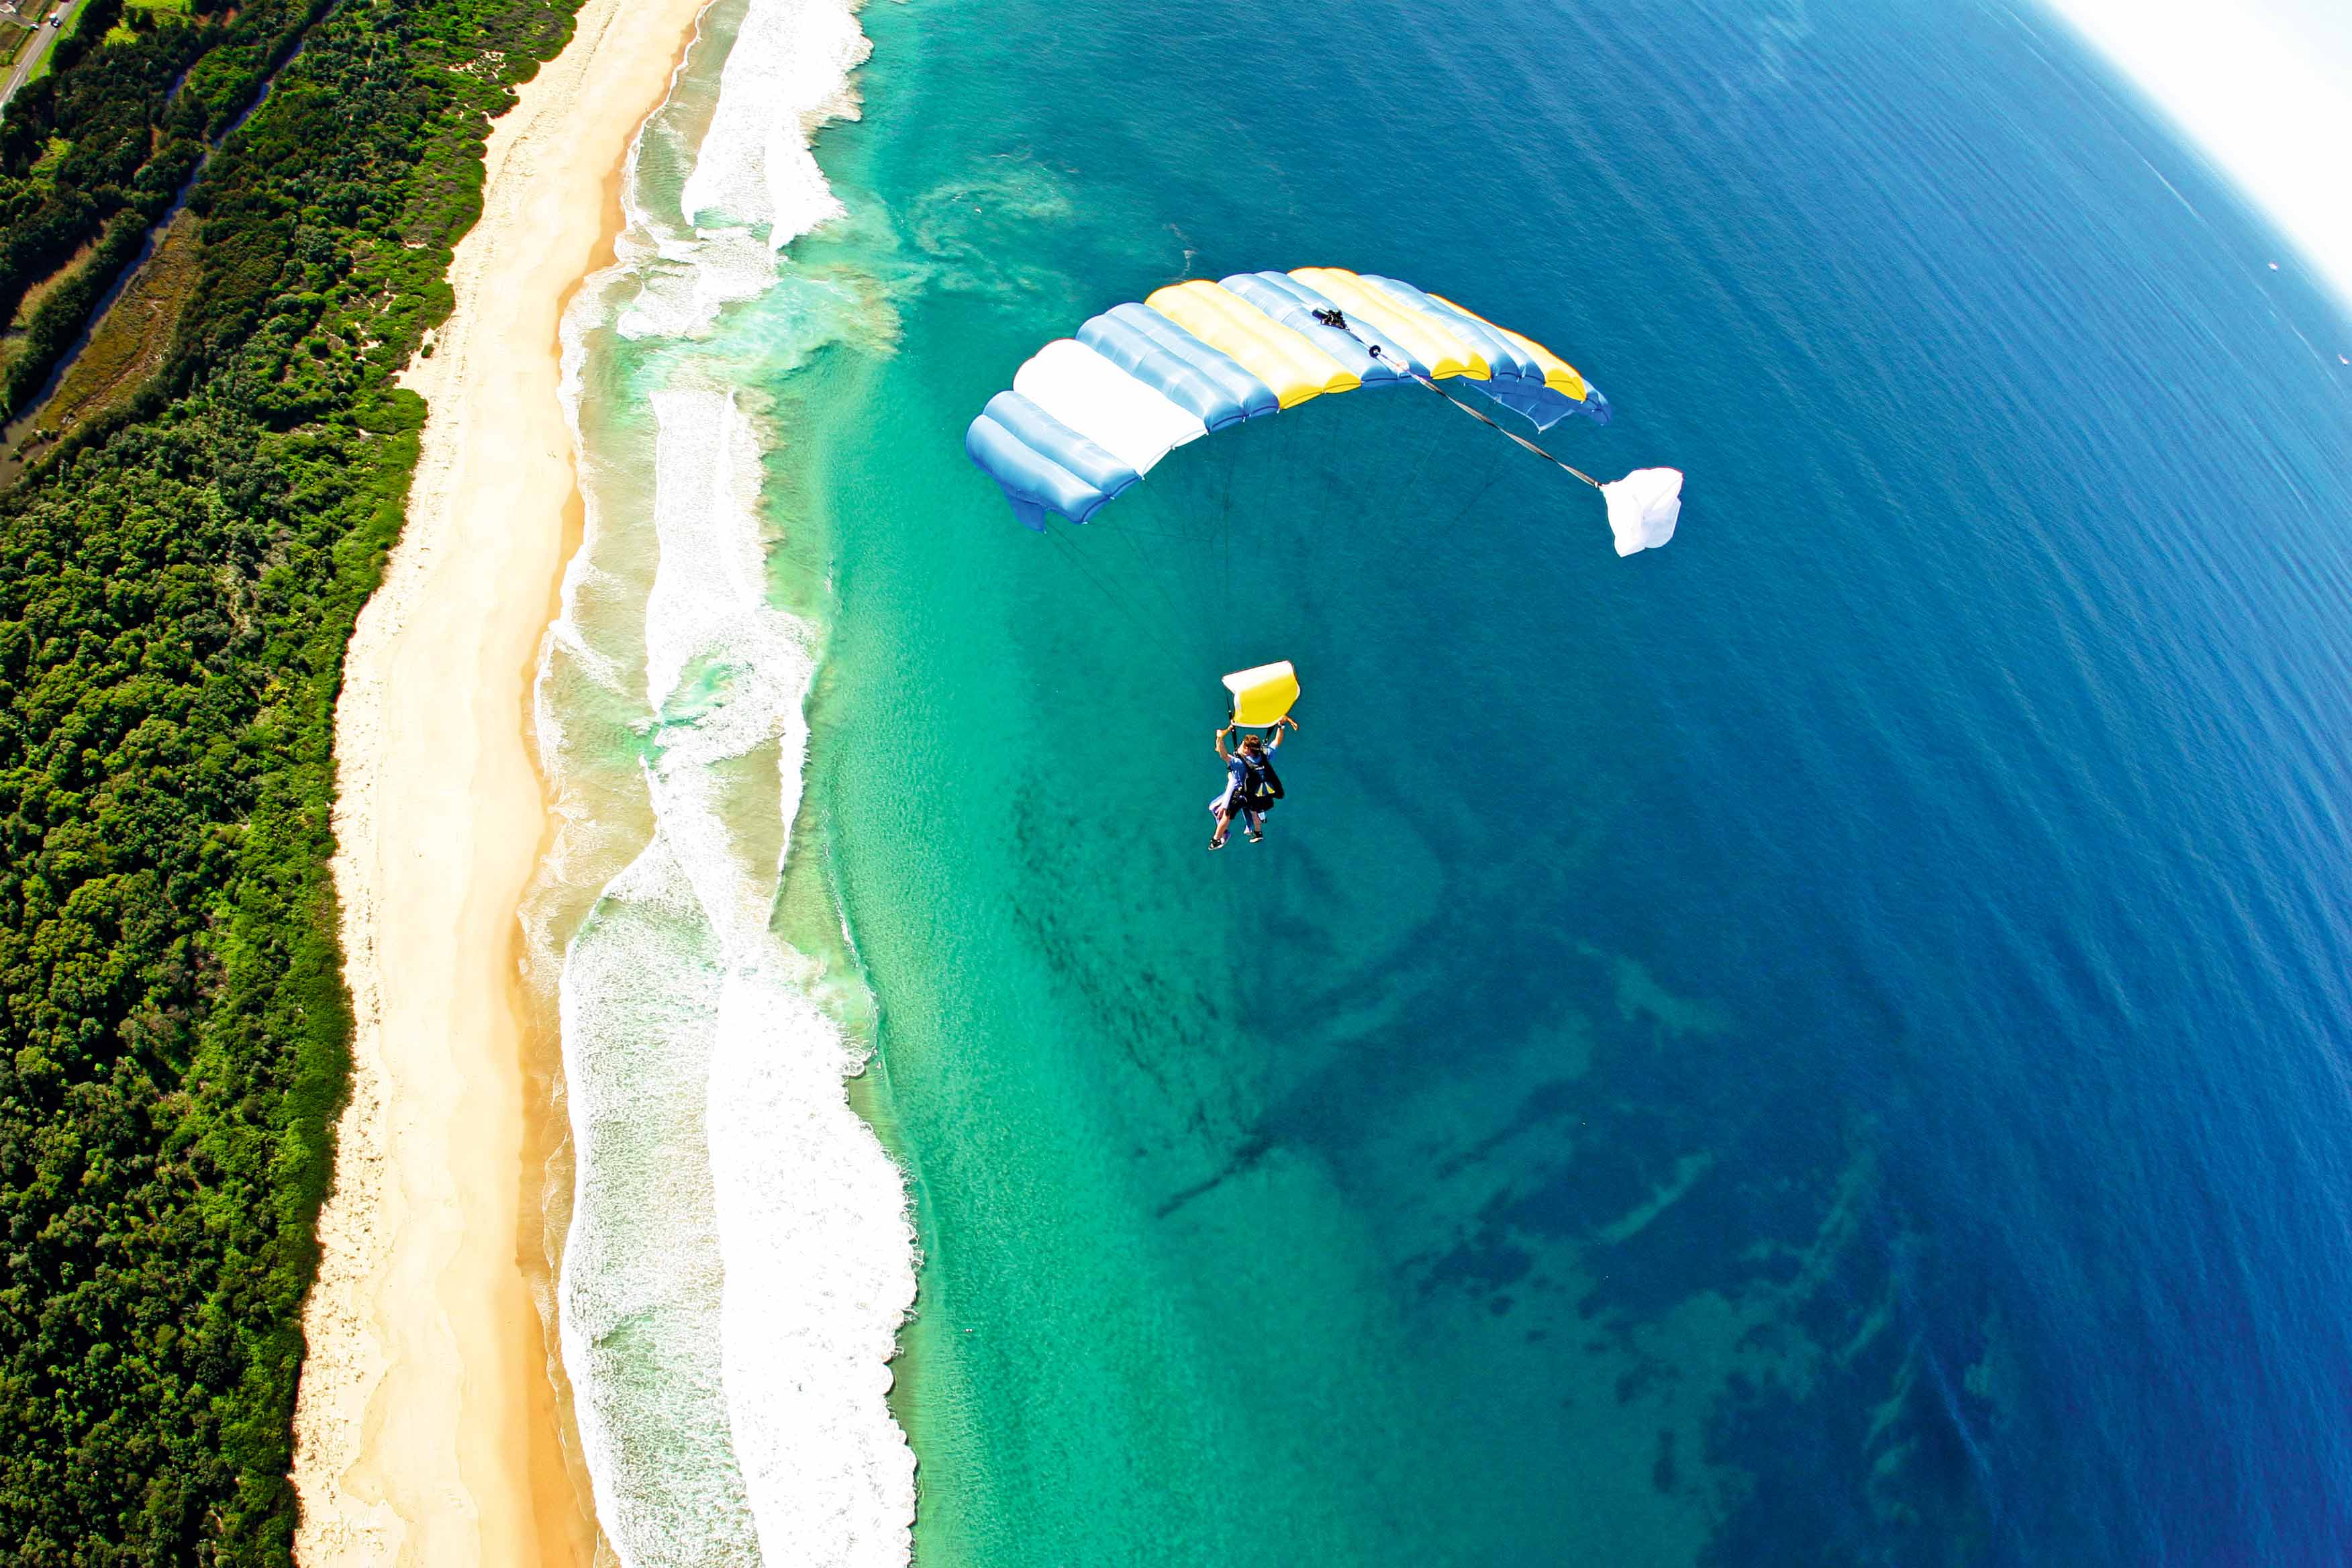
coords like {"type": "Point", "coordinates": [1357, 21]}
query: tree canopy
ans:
{"type": "Point", "coordinates": [178, 583]}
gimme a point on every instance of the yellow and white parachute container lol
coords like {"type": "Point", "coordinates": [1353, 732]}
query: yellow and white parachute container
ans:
{"type": "Point", "coordinates": [1262, 695]}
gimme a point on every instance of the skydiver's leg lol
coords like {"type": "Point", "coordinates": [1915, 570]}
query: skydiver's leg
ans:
{"type": "Point", "coordinates": [1224, 821]}
{"type": "Point", "coordinates": [1252, 824]}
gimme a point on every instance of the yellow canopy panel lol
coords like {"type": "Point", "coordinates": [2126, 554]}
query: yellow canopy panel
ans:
{"type": "Point", "coordinates": [1423, 336]}
{"type": "Point", "coordinates": [1263, 694]}
{"type": "Point", "coordinates": [1558, 375]}
{"type": "Point", "coordinates": [1089, 415]}
{"type": "Point", "coordinates": [1285, 359]}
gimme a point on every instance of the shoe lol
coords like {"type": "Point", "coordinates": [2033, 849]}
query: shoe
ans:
{"type": "Point", "coordinates": [1255, 837]}
{"type": "Point", "coordinates": [1216, 844]}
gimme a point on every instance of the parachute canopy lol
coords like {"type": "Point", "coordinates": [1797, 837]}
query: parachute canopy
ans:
{"type": "Point", "coordinates": [1088, 415]}
{"type": "Point", "coordinates": [1644, 507]}
{"type": "Point", "coordinates": [1262, 695]}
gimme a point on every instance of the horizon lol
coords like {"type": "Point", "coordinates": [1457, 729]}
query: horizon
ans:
{"type": "Point", "coordinates": [2262, 91]}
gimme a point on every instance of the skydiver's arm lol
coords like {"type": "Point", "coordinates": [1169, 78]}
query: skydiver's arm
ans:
{"type": "Point", "coordinates": [1221, 743]}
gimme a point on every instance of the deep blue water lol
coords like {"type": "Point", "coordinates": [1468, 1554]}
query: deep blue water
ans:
{"type": "Point", "coordinates": [1826, 1042]}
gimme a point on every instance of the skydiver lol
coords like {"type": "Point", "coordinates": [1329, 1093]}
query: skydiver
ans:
{"type": "Point", "coordinates": [1332, 318]}
{"type": "Point", "coordinates": [1252, 786]}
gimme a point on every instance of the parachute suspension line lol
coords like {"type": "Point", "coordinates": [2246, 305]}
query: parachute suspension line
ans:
{"type": "Point", "coordinates": [1431, 445]}
{"type": "Point", "coordinates": [1512, 435]}
{"type": "Point", "coordinates": [1145, 569]}
{"type": "Point", "coordinates": [1226, 567]}
{"type": "Point", "coordinates": [1191, 562]}
{"type": "Point", "coordinates": [1471, 505]}
{"type": "Point", "coordinates": [1225, 543]}
{"type": "Point", "coordinates": [1077, 558]}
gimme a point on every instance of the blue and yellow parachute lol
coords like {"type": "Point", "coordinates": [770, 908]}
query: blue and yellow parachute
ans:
{"type": "Point", "coordinates": [1088, 415]}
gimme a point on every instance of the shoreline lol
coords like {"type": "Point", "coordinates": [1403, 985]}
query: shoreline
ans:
{"type": "Point", "coordinates": [427, 1428]}
{"type": "Point", "coordinates": [729, 1301]}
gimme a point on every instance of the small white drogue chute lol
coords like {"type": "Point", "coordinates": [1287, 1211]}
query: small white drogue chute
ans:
{"type": "Point", "coordinates": [1644, 508]}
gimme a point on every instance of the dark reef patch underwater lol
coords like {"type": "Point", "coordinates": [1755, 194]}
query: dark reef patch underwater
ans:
{"type": "Point", "coordinates": [1825, 1042]}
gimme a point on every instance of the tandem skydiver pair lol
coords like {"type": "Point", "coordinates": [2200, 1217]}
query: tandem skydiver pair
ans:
{"type": "Point", "coordinates": [1089, 415]}
{"type": "Point", "coordinates": [1252, 786]}
{"type": "Point", "coordinates": [1262, 699]}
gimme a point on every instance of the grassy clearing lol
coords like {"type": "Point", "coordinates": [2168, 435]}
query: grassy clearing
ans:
{"type": "Point", "coordinates": [45, 167]}
{"type": "Point", "coordinates": [147, 13]}
{"type": "Point", "coordinates": [131, 341]}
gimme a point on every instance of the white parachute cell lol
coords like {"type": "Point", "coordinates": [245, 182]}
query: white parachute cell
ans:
{"type": "Point", "coordinates": [1132, 421]}
{"type": "Point", "coordinates": [1644, 507]}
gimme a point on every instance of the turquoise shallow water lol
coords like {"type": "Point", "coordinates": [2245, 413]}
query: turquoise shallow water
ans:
{"type": "Point", "coordinates": [1824, 1042]}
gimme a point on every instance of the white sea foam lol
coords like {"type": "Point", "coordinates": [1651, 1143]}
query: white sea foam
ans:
{"type": "Point", "coordinates": [688, 281]}
{"type": "Point", "coordinates": [755, 186]}
{"type": "Point", "coordinates": [645, 1258]}
{"type": "Point", "coordinates": [740, 1257]}
{"type": "Point", "coordinates": [788, 73]}
{"type": "Point", "coordinates": [706, 598]}
{"type": "Point", "coordinates": [818, 1245]}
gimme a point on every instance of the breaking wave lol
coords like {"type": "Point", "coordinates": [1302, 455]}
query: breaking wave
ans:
{"type": "Point", "coordinates": [739, 1256]}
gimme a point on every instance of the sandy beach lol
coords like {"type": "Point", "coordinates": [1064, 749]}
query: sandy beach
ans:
{"type": "Point", "coordinates": [427, 1430]}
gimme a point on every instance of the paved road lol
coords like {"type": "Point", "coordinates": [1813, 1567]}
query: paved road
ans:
{"type": "Point", "coordinates": [34, 52]}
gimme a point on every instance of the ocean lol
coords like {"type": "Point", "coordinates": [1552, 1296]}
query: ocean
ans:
{"type": "Point", "coordinates": [1824, 1042]}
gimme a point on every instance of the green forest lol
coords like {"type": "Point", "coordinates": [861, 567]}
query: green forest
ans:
{"type": "Point", "coordinates": [178, 576]}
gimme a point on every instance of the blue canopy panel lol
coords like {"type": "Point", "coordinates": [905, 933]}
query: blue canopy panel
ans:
{"type": "Point", "coordinates": [1539, 404]}
{"type": "Point", "coordinates": [1209, 382]}
{"type": "Point", "coordinates": [1046, 464]}
{"type": "Point", "coordinates": [1042, 464]}
{"type": "Point", "coordinates": [1294, 304]}
{"type": "Point", "coordinates": [1518, 382]}
{"type": "Point", "coordinates": [1548, 405]}
{"type": "Point", "coordinates": [1516, 378]}
{"type": "Point", "coordinates": [1507, 362]}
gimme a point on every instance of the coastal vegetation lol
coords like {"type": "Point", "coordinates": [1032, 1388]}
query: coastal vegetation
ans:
{"type": "Point", "coordinates": [178, 578]}
{"type": "Point", "coordinates": [94, 153]}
